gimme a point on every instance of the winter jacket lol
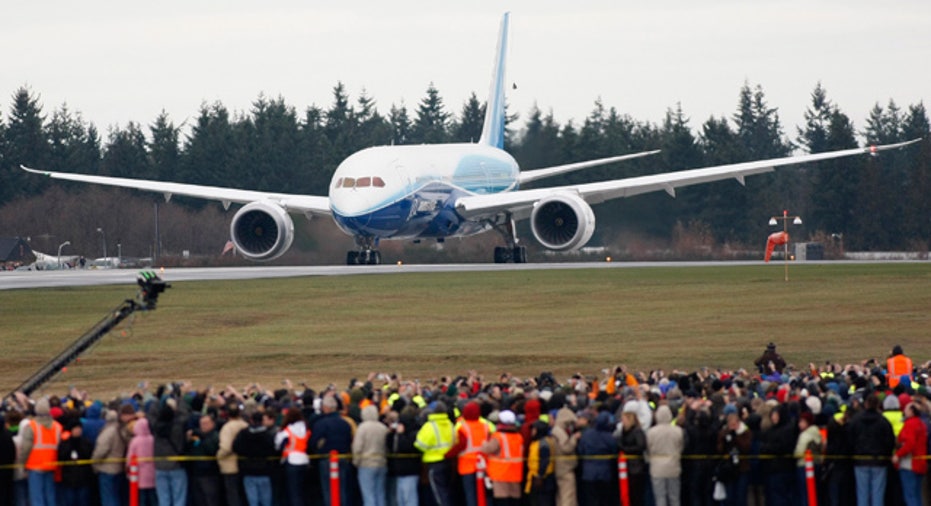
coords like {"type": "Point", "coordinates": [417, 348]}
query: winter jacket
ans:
{"type": "Point", "coordinates": [110, 447]}
{"type": "Point", "coordinates": [168, 426]}
{"type": "Point", "coordinates": [779, 442]}
{"type": "Point", "coordinates": [664, 445]}
{"type": "Point", "coordinates": [566, 461]}
{"type": "Point", "coordinates": [93, 422]}
{"type": "Point", "coordinates": [256, 449]}
{"type": "Point", "coordinates": [330, 432]}
{"type": "Point", "coordinates": [226, 458]}
{"type": "Point", "coordinates": [368, 445]}
{"type": "Point", "coordinates": [599, 441]}
{"type": "Point", "coordinates": [73, 449]}
{"type": "Point", "coordinates": [871, 435]}
{"type": "Point", "coordinates": [808, 438]}
{"type": "Point", "coordinates": [205, 445]}
{"type": "Point", "coordinates": [737, 442]}
{"type": "Point", "coordinates": [633, 443]}
{"type": "Point", "coordinates": [142, 446]}
{"type": "Point", "coordinates": [405, 457]}
{"type": "Point", "coordinates": [913, 446]}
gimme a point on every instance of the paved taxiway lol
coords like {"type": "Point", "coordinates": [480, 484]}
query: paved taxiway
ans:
{"type": "Point", "coordinates": [10, 280]}
{"type": "Point", "coordinates": [92, 277]}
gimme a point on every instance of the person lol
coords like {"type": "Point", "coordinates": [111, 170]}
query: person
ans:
{"type": "Point", "coordinates": [567, 440]}
{"type": "Point", "coordinates": [664, 446]}
{"type": "Point", "coordinates": [142, 447]}
{"type": "Point", "coordinates": [41, 436]}
{"type": "Point", "coordinates": [873, 442]}
{"type": "Point", "coordinates": [898, 367]}
{"type": "Point", "coordinates": [7, 459]}
{"type": "Point", "coordinates": [369, 455]}
{"type": "Point", "coordinates": [770, 360]}
{"type": "Point", "coordinates": [505, 452]}
{"type": "Point", "coordinates": [809, 438]}
{"type": "Point", "coordinates": [910, 456]}
{"type": "Point", "coordinates": [168, 420]}
{"type": "Point", "coordinates": [109, 451]}
{"type": "Point", "coordinates": [599, 469]}
{"type": "Point", "coordinates": [256, 448]}
{"type": "Point", "coordinates": [292, 441]}
{"type": "Point", "coordinates": [204, 473]}
{"type": "Point", "coordinates": [472, 431]}
{"type": "Point", "coordinates": [76, 477]}
{"type": "Point", "coordinates": [331, 432]}
{"type": "Point", "coordinates": [633, 442]}
{"type": "Point", "coordinates": [227, 458]}
{"type": "Point", "coordinates": [734, 443]}
{"type": "Point", "coordinates": [779, 441]}
{"type": "Point", "coordinates": [541, 479]}
{"type": "Point", "coordinates": [402, 466]}
{"type": "Point", "coordinates": [434, 440]}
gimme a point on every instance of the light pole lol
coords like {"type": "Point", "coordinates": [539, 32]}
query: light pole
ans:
{"type": "Point", "coordinates": [796, 220]}
{"type": "Point", "coordinates": [119, 253]}
{"type": "Point", "coordinates": [60, 246]}
{"type": "Point", "coordinates": [104, 238]}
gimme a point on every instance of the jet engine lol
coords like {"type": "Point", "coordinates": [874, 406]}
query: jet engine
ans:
{"type": "Point", "coordinates": [562, 222]}
{"type": "Point", "coordinates": [262, 231]}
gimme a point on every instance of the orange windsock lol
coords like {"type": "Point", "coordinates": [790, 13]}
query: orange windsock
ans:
{"type": "Point", "coordinates": [776, 239]}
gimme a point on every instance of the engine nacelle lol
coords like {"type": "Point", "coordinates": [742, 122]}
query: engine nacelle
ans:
{"type": "Point", "coordinates": [262, 231]}
{"type": "Point", "coordinates": [562, 222]}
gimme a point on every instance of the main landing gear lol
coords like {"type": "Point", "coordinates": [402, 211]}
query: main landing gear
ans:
{"type": "Point", "coordinates": [367, 254]}
{"type": "Point", "coordinates": [512, 252]}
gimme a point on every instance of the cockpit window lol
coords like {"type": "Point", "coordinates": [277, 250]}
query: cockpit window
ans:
{"type": "Point", "coordinates": [363, 182]}
{"type": "Point", "coordinates": [339, 183]}
{"type": "Point", "coordinates": [349, 182]}
{"type": "Point", "coordinates": [378, 182]}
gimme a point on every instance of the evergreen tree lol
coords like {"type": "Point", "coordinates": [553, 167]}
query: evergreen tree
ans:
{"type": "Point", "coordinates": [373, 128]}
{"type": "Point", "coordinates": [432, 121]}
{"type": "Point", "coordinates": [73, 146]}
{"type": "Point", "coordinates": [125, 154]}
{"type": "Point", "coordinates": [725, 203]}
{"type": "Point", "coordinates": [208, 155]}
{"type": "Point", "coordinates": [26, 143]}
{"type": "Point", "coordinates": [165, 148]}
{"type": "Point", "coordinates": [917, 209]}
{"type": "Point", "coordinates": [340, 124]}
{"type": "Point", "coordinates": [401, 125]}
{"type": "Point", "coordinates": [273, 139]}
{"type": "Point", "coordinates": [540, 144]}
{"type": "Point", "coordinates": [471, 121]}
{"type": "Point", "coordinates": [317, 166]}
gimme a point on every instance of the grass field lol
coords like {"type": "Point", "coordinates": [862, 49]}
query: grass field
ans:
{"type": "Point", "coordinates": [323, 329]}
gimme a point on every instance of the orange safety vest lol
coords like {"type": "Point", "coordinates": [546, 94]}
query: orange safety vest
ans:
{"type": "Point", "coordinates": [44, 454]}
{"type": "Point", "coordinates": [477, 432]}
{"type": "Point", "coordinates": [508, 464]}
{"type": "Point", "coordinates": [295, 443]}
{"type": "Point", "coordinates": [898, 366]}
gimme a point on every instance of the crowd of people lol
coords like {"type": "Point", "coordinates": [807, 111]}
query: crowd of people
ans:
{"type": "Point", "coordinates": [703, 437]}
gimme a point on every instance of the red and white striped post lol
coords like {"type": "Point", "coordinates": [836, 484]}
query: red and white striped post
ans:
{"type": "Point", "coordinates": [134, 481]}
{"type": "Point", "coordinates": [622, 479]}
{"type": "Point", "coordinates": [810, 479]}
{"type": "Point", "coordinates": [480, 498]}
{"type": "Point", "coordinates": [334, 478]}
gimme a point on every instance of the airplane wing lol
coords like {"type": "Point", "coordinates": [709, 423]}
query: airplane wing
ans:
{"type": "Point", "coordinates": [532, 175]}
{"type": "Point", "coordinates": [520, 203]}
{"type": "Point", "coordinates": [307, 204]}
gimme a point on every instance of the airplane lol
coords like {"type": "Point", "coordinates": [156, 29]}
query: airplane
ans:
{"type": "Point", "coordinates": [438, 191]}
{"type": "Point", "coordinates": [46, 262]}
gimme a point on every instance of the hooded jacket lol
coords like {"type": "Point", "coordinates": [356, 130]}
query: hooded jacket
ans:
{"type": "Point", "coordinates": [168, 426]}
{"type": "Point", "coordinates": [368, 445]}
{"type": "Point", "coordinates": [566, 461]}
{"type": "Point", "coordinates": [599, 441]}
{"type": "Point", "coordinates": [142, 446]}
{"type": "Point", "coordinates": [226, 458]}
{"type": "Point", "coordinates": [664, 445]}
{"type": "Point", "coordinates": [406, 458]}
{"type": "Point", "coordinates": [871, 435]}
{"type": "Point", "coordinates": [110, 446]}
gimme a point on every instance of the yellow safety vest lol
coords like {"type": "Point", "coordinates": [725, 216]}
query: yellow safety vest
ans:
{"type": "Point", "coordinates": [435, 438]}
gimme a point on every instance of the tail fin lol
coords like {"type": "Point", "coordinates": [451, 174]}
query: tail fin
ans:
{"type": "Point", "coordinates": [493, 129]}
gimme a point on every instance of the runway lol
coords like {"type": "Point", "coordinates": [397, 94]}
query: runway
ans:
{"type": "Point", "coordinates": [13, 280]}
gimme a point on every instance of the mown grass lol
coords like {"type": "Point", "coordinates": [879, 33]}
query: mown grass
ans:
{"type": "Point", "coordinates": [329, 329]}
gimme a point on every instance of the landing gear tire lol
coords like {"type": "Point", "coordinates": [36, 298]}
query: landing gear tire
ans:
{"type": "Point", "coordinates": [365, 257]}
{"type": "Point", "coordinates": [502, 255]}
{"type": "Point", "coordinates": [519, 255]}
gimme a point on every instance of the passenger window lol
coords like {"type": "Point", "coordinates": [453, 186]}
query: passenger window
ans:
{"type": "Point", "coordinates": [378, 182]}
{"type": "Point", "coordinates": [349, 182]}
{"type": "Point", "coordinates": [363, 182]}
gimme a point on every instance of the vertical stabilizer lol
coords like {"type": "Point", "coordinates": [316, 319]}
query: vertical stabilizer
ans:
{"type": "Point", "coordinates": [493, 129]}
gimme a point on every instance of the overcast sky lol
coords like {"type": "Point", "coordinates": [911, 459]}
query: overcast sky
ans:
{"type": "Point", "coordinates": [119, 61]}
